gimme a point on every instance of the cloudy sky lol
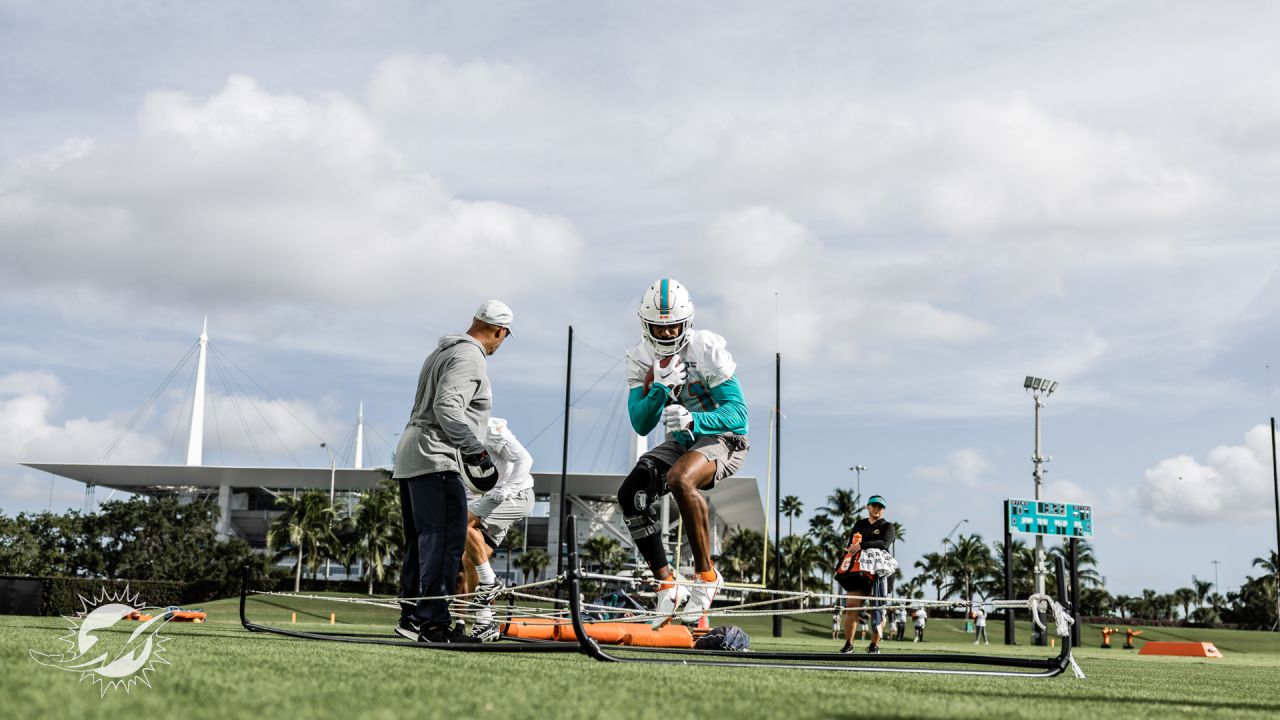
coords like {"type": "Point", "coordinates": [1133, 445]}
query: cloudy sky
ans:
{"type": "Point", "coordinates": [916, 203]}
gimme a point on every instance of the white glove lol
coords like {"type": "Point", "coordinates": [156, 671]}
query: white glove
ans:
{"type": "Point", "coordinates": [672, 376]}
{"type": "Point", "coordinates": [677, 418]}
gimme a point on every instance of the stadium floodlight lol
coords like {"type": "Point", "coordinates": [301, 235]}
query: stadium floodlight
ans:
{"type": "Point", "coordinates": [332, 472]}
{"type": "Point", "coordinates": [859, 469]}
{"type": "Point", "coordinates": [1039, 389]}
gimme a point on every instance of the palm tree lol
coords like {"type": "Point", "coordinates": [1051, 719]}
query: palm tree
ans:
{"type": "Point", "coordinates": [604, 552]}
{"type": "Point", "coordinates": [380, 533]}
{"type": "Point", "coordinates": [791, 507]}
{"type": "Point", "coordinates": [741, 553]}
{"type": "Point", "coordinates": [933, 569]}
{"type": "Point", "coordinates": [829, 543]}
{"type": "Point", "coordinates": [1270, 564]}
{"type": "Point", "coordinates": [1201, 589]}
{"type": "Point", "coordinates": [1185, 597]}
{"type": "Point", "coordinates": [533, 562]}
{"type": "Point", "coordinates": [845, 507]}
{"type": "Point", "coordinates": [307, 520]}
{"type": "Point", "coordinates": [1122, 603]}
{"type": "Point", "coordinates": [799, 556]}
{"type": "Point", "coordinates": [1086, 561]}
{"type": "Point", "coordinates": [970, 561]}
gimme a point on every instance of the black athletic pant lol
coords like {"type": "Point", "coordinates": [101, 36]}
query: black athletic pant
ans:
{"type": "Point", "coordinates": [434, 507]}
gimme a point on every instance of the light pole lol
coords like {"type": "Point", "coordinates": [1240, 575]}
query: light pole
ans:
{"type": "Point", "coordinates": [947, 540]}
{"type": "Point", "coordinates": [332, 471]}
{"type": "Point", "coordinates": [859, 469]}
{"type": "Point", "coordinates": [1039, 389]}
{"type": "Point", "coordinates": [1215, 575]}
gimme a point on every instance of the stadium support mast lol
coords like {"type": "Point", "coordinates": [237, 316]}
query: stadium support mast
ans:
{"type": "Point", "coordinates": [359, 461]}
{"type": "Point", "coordinates": [195, 443]}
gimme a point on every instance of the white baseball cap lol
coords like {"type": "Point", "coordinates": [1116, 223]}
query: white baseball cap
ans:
{"type": "Point", "coordinates": [495, 312]}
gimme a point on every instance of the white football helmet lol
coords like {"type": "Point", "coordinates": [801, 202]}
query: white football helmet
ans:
{"type": "Point", "coordinates": [666, 303]}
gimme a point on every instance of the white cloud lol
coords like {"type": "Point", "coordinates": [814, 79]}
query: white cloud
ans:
{"type": "Point", "coordinates": [1061, 490]}
{"type": "Point", "coordinates": [269, 206]}
{"type": "Point", "coordinates": [29, 405]}
{"type": "Point", "coordinates": [1247, 117]}
{"type": "Point", "coordinates": [966, 466]}
{"type": "Point", "coordinates": [1233, 483]}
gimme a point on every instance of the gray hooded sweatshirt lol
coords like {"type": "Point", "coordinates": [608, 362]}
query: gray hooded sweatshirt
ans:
{"type": "Point", "coordinates": [451, 409]}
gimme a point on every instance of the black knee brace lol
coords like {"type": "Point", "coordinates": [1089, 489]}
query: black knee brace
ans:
{"type": "Point", "coordinates": [646, 483]}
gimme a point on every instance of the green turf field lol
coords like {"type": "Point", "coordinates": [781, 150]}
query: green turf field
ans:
{"type": "Point", "coordinates": [218, 670]}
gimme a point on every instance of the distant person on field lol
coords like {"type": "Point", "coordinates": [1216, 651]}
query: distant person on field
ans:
{"type": "Point", "coordinates": [919, 616]}
{"type": "Point", "coordinates": [900, 618]}
{"type": "Point", "coordinates": [980, 626]}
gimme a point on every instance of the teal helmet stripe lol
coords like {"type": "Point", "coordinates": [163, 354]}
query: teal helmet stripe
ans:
{"type": "Point", "coordinates": [665, 292]}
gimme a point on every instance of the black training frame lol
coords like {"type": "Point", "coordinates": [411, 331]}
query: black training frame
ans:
{"type": "Point", "coordinates": [854, 662]}
{"type": "Point", "coordinates": [1029, 667]}
{"type": "Point", "coordinates": [515, 645]}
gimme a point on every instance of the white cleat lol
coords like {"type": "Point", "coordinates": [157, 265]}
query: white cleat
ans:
{"type": "Point", "coordinates": [700, 597]}
{"type": "Point", "coordinates": [669, 598]}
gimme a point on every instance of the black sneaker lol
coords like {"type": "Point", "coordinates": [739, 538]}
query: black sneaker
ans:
{"type": "Point", "coordinates": [408, 629]}
{"type": "Point", "coordinates": [486, 592]}
{"type": "Point", "coordinates": [847, 649]}
{"type": "Point", "coordinates": [873, 649]}
{"type": "Point", "coordinates": [438, 633]}
{"type": "Point", "coordinates": [485, 632]}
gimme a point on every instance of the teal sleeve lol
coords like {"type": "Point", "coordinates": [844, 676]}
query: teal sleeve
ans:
{"type": "Point", "coordinates": [646, 409]}
{"type": "Point", "coordinates": [730, 414]}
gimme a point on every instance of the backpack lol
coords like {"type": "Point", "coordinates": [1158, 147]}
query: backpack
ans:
{"type": "Point", "coordinates": [724, 637]}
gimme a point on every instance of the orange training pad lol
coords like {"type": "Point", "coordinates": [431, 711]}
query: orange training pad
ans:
{"type": "Point", "coordinates": [669, 636]}
{"type": "Point", "coordinates": [531, 628]}
{"type": "Point", "coordinates": [607, 633]}
{"type": "Point", "coordinates": [638, 634]}
{"type": "Point", "coordinates": [1185, 649]}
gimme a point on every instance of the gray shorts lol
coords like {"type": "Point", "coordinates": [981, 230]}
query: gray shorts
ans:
{"type": "Point", "coordinates": [498, 515]}
{"type": "Point", "coordinates": [727, 451]}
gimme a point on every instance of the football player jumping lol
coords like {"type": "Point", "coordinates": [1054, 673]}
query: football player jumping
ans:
{"type": "Point", "coordinates": [683, 378]}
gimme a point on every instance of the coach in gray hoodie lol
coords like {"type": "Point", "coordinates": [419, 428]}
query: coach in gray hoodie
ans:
{"type": "Point", "coordinates": [449, 419]}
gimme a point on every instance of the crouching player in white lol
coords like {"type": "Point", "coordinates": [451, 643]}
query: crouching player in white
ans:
{"type": "Point", "coordinates": [683, 378]}
{"type": "Point", "coordinates": [490, 515]}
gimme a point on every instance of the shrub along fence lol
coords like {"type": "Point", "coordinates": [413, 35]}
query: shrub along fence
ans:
{"type": "Point", "coordinates": [62, 595]}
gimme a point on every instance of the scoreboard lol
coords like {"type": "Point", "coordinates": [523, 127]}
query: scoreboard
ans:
{"type": "Point", "coordinates": [1043, 517]}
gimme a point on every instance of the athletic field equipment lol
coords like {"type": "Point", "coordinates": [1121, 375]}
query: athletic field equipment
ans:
{"type": "Point", "coordinates": [1129, 635]}
{"type": "Point", "coordinates": [1182, 649]}
{"type": "Point", "coordinates": [543, 624]}
{"type": "Point", "coordinates": [478, 472]}
{"type": "Point", "coordinates": [1040, 517]}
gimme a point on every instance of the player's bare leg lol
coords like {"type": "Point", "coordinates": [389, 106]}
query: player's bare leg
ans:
{"type": "Point", "coordinates": [476, 553]}
{"type": "Point", "coordinates": [691, 473]}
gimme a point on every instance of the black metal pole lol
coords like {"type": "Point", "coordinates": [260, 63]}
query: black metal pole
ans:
{"type": "Point", "coordinates": [1073, 556]}
{"type": "Point", "coordinates": [777, 484]}
{"type": "Point", "coordinates": [1009, 637]}
{"type": "Point", "coordinates": [564, 459]}
{"type": "Point", "coordinates": [1275, 479]}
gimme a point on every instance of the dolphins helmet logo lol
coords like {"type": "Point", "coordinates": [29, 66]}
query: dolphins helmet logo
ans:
{"type": "Point", "coordinates": [110, 659]}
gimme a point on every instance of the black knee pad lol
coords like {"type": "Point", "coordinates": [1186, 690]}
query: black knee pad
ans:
{"type": "Point", "coordinates": [645, 483]}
